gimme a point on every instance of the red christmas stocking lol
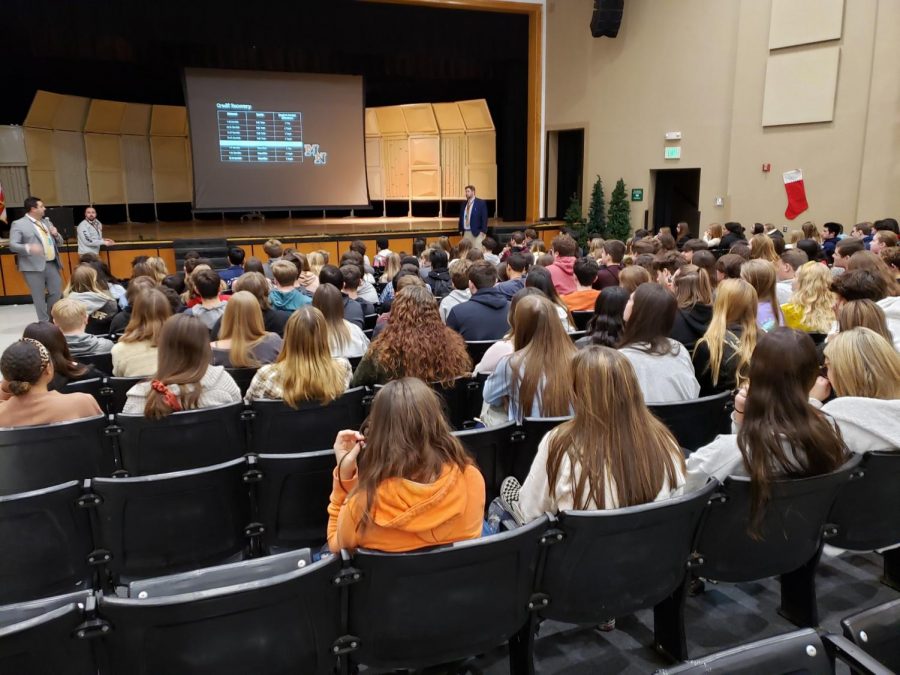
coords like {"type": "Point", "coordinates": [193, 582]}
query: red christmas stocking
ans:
{"type": "Point", "coordinates": [796, 194]}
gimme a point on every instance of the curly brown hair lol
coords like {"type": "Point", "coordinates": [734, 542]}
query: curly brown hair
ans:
{"type": "Point", "coordinates": [416, 343]}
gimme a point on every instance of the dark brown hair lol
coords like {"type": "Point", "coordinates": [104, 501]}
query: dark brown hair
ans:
{"type": "Point", "coordinates": [652, 317]}
{"type": "Point", "coordinates": [49, 335]}
{"type": "Point", "coordinates": [183, 357]}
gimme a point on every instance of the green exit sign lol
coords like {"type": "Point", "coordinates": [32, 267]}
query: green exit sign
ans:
{"type": "Point", "coordinates": [637, 194]}
{"type": "Point", "coordinates": [673, 152]}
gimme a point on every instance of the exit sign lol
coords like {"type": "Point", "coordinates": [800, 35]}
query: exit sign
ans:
{"type": "Point", "coordinates": [637, 194]}
{"type": "Point", "coordinates": [673, 152]}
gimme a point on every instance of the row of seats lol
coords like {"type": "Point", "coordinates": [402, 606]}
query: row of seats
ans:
{"type": "Point", "coordinates": [286, 614]}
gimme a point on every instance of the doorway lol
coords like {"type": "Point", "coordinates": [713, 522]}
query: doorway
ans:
{"type": "Point", "coordinates": [676, 198]}
{"type": "Point", "coordinates": [565, 170]}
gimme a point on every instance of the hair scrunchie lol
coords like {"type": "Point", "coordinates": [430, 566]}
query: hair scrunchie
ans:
{"type": "Point", "coordinates": [169, 398]}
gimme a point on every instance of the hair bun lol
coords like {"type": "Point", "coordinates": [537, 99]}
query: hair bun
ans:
{"type": "Point", "coordinates": [17, 387]}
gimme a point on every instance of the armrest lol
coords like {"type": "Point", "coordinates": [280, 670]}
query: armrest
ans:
{"type": "Point", "coordinates": [841, 648]}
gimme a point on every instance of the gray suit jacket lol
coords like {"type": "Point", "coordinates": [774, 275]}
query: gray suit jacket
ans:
{"type": "Point", "coordinates": [22, 233]}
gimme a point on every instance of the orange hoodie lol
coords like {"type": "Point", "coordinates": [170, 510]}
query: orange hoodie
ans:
{"type": "Point", "coordinates": [407, 515]}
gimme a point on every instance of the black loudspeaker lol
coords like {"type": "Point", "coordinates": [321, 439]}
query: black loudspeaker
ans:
{"type": "Point", "coordinates": [64, 220]}
{"type": "Point", "coordinates": [607, 17]}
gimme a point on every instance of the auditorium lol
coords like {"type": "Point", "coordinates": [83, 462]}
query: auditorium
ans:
{"type": "Point", "coordinates": [450, 337]}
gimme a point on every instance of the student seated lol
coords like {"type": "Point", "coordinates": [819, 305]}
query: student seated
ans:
{"type": "Point", "coordinates": [72, 318]}
{"type": "Point", "coordinates": [235, 266]}
{"type": "Point", "coordinates": [304, 370]}
{"type": "Point", "coordinates": [504, 347]}
{"type": "Point", "coordinates": [184, 378]}
{"type": "Point", "coordinates": [86, 288]}
{"type": "Point", "coordinates": [352, 280]}
{"type": "Point", "coordinates": [24, 397]}
{"type": "Point", "coordinates": [415, 343]}
{"type": "Point", "coordinates": [135, 354]}
{"type": "Point", "coordinates": [565, 251]}
{"type": "Point", "coordinates": [778, 434]}
{"type": "Point", "coordinates": [694, 296]}
{"type": "Point", "coordinates": [863, 314]}
{"type": "Point", "coordinates": [612, 253]}
{"type": "Point", "coordinates": [540, 278]}
{"type": "Point", "coordinates": [607, 325]}
{"type": "Point", "coordinates": [210, 308]}
{"type": "Point", "coordinates": [722, 356]}
{"type": "Point", "coordinates": [584, 296]}
{"type": "Point", "coordinates": [255, 283]}
{"type": "Point", "coordinates": [415, 485]}
{"type": "Point", "coordinates": [786, 271]}
{"type": "Point", "coordinates": [663, 366]}
{"type": "Point", "coordinates": [811, 306]}
{"type": "Point", "coordinates": [284, 296]}
{"type": "Point", "coordinates": [535, 380]}
{"type": "Point", "coordinates": [761, 275]}
{"type": "Point", "coordinates": [353, 311]}
{"type": "Point", "coordinates": [243, 341]}
{"type": "Point", "coordinates": [347, 340]}
{"type": "Point", "coordinates": [864, 374]}
{"type": "Point", "coordinates": [135, 287]}
{"type": "Point", "coordinates": [460, 293]}
{"type": "Point", "coordinates": [65, 368]}
{"type": "Point", "coordinates": [438, 277]}
{"type": "Point", "coordinates": [516, 269]}
{"type": "Point", "coordinates": [483, 317]}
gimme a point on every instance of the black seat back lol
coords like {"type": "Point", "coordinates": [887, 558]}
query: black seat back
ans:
{"type": "Point", "coordinates": [696, 423]}
{"type": "Point", "coordinates": [280, 625]}
{"type": "Point", "coordinates": [877, 631]}
{"type": "Point", "coordinates": [278, 428]}
{"type": "Point", "coordinates": [582, 318]}
{"type": "Point", "coordinates": [38, 638]}
{"type": "Point", "coordinates": [490, 448]}
{"type": "Point", "coordinates": [293, 498]}
{"type": "Point", "coordinates": [93, 386]}
{"type": "Point", "coordinates": [797, 653]}
{"type": "Point", "coordinates": [47, 540]}
{"type": "Point", "coordinates": [477, 349]}
{"type": "Point", "coordinates": [102, 362]}
{"type": "Point", "coordinates": [462, 399]}
{"type": "Point", "coordinates": [242, 377]}
{"type": "Point", "coordinates": [576, 335]}
{"type": "Point", "coordinates": [644, 549]}
{"type": "Point", "coordinates": [117, 392]}
{"type": "Point", "coordinates": [153, 525]}
{"type": "Point", "coordinates": [866, 507]}
{"type": "Point", "coordinates": [483, 588]}
{"type": "Point", "coordinates": [50, 454]}
{"type": "Point", "coordinates": [181, 440]}
{"type": "Point", "coordinates": [791, 531]}
{"type": "Point", "coordinates": [526, 442]}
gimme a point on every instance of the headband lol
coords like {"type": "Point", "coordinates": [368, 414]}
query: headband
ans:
{"type": "Point", "coordinates": [42, 350]}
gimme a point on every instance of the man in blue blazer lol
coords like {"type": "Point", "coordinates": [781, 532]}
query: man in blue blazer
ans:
{"type": "Point", "coordinates": [35, 242]}
{"type": "Point", "coordinates": [473, 218]}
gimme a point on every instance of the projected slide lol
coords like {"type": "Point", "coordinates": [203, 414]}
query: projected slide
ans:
{"type": "Point", "coordinates": [276, 140]}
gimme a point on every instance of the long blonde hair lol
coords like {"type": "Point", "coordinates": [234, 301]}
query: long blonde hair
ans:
{"type": "Point", "coordinates": [243, 324]}
{"type": "Point", "coordinates": [158, 267]}
{"type": "Point", "coordinates": [305, 366]}
{"type": "Point", "coordinates": [150, 311]}
{"type": "Point", "coordinates": [761, 275]}
{"type": "Point", "coordinates": [735, 304]}
{"type": "Point", "coordinates": [391, 267]}
{"type": "Point", "coordinates": [812, 294]}
{"type": "Point", "coordinates": [84, 280]}
{"type": "Point", "coordinates": [762, 246]}
{"type": "Point", "coordinates": [613, 438]}
{"type": "Point", "coordinates": [541, 364]}
{"type": "Point", "coordinates": [316, 262]}
{"type": "Point", "coordinates": [862, 363]}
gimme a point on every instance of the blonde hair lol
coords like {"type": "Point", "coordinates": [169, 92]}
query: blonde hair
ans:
{"type": "Point", "coordinates": [595, 247]}
{"type": "Point", "coordinates": [243, 324]}
{"type": "Point", "coordinates": [736, 303]}
{"type": "Point", "coordinates": [158, 267]}
{"type": "Point", "coordinates": [305, 366]}
{"type": "Point", "coordinates": [862, 363]}
{"type": "Point", "coordinates": [316, 262]}
{"type": "Point", "coordinates": [761, 246]}
{"type": "Point", "coordinates": [811, 231]}
{"type": "Point", "coordinates": [761, 275]}
{"type": "Point", "coordinates": [69, 314]}
{"type": "Point", "coordinates": [285, 272]}
{"type": "Point", "coordinates": [84, 280]}
{"type": "Point", "coordinates": [391, 267]}
{"type": "Point", "coordinates": [812, 294]}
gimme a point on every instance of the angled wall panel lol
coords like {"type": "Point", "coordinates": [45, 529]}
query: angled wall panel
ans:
{"type": "Point", "coordinates": [12, 146]}
{"type": "Point", "coordinates": [105, 117]}
{"type": "Point", "coordinates": [71, 167]}
{"type": "Point", "coordinates": [171, 169]}
{"type": "Point", "coordinates": [105, 168]}
{"type": "Point", "coordinates": [801, 87]}
{"type": "Point", "coordinates": [802, 22]}
{"type": "Point", "coordinates": [138, 169]}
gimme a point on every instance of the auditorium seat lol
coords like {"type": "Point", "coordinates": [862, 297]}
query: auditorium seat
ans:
{"type": "Point", "coordinates": [282, 624]}
{"type": "Point", "coordinates": [445, 604]}
{"type": "Point", "coordinates": [866, 510]}
{"type": "Point", "coordinates": [93, 386]}
{"type": "Point", "coordinates": [462, 400]}
{"type": "Point", "coordinates": [582, 318]}
{"type": "Point", "coordinates": [181, 440]}
{"type": "Point", "coordinates": [526, 442]}
{"type": "Point", "coordinates": [576, 335]}
{"type": "Point", "coordinates": [789, 544]}
{"type": "Point", "coordinates": [278, 428]}
{"type": "Point", "coordinates": [354, 362]}
{"type": "Point", "coordinates": [168, 523]}
{"type": "Point", "coordinates": [642, 551]}
{"type": "Point", "coordinates": [116, 392]}
{"type": "Point", "coordinates": [41, 637]}
{"type": "Point", "coordinates": [292, 494]}
{"type": "Point", "coordinates": [242, 377]}
{"type": "Point", "coordinates": [41, 456]}
{"type": "Point", "coordinates": [102, 362]}
{"type": "Point", "coordinates": [876, 631]}
{"type": "Point", "coordinates": [46, 539]}
{"type": "Point", "coordinates": [369, 321]}
{"type": "Point", "coordinates": [477, 348]}
{"type": "Point", "coordinates": [696, 423]}
{"type": "Point", "coordinates": [490, 447]}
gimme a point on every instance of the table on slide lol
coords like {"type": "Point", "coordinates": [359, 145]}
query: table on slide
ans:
{"type": "Point", "coordinates": [260, 136]}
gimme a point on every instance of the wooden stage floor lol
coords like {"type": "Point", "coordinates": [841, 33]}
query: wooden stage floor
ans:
{"type": "Point", "coordinates": [287, 227]}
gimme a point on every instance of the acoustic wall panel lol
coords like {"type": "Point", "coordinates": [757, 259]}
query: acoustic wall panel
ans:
{"type": "Point", "coordinates": [136, 119]}
{"type": "Point", "coordinates": [374, 175]}
{"type": "Point", "coordinates": [424, 151]}
{"type": "Point", "coordinates": [419, 118]}
{"type": "Point", "coordinates": [425, 184]}
{"type": "Point", "coordinates": [453, 165]}
{"type": "Point", "coordinates": [371, 123]}
{"type": "Point", "coordinates": [391, 121]}
{"type": "Point", "coordinates": [484, 178]}
{"type": "Point", "coordinates": [105, 168]}
{"type": "Point", "coordinates": [71, 168]}
{"type": "Point", "coordinates": [56, 111]}
{"type": "Point", "coordinates": [448, 117]}
{"type": "Point", "coordinates": [801, 22]}
{"type": "Point", "coordinates": [171, 169]}
{"type": "Point", "coordinates": [800, 87]}
{"type": "Point", "coordinates": [14, 180]}
{"type": "Point", "coordinates": [168, 120]}
{"type": "Point", "coordinates": [396, 168]}
{"type": "Point", "coordinates": [476, 115]}
{"type": "Point", "coordinates": [105, 117]}
{"type": "Point", "coordinates": [137, 167]}
{"type": "Point", "coordinates": [482, 148]}
{"type": "Point", "coordinates": [41, 164]}
{"type": "Point", "coordinates": [12, 146]}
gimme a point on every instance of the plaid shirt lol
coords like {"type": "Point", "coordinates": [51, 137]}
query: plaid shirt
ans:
{"type": "Point", "coordinates": [267, 383]}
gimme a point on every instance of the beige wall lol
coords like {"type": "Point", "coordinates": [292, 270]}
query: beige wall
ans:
{"type": "Point", "coordinates": [699, 66]}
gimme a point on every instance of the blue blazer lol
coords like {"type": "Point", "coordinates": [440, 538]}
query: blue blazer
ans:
{"type": "Point", "coordinates": [477, 219]}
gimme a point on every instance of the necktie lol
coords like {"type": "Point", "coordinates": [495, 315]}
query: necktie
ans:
{"type": "Point", "coordinates": [468, 214]}
{"type": "Point", "coordinates": [49, 250]}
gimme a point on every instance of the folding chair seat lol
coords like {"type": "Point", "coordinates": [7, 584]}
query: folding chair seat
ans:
{"type": "Point", "coordinates": [526, 441]}
{"type": "Point", "coordinates": [242, 377]}
{"type": "Point", "coordinates": [292, 495]}
{"type": "Point", "coordinates": [278, 625]}
{"type": "Point", "coordinates": [152, 525]}
{"type": "Point", "coordinates": [41, 637]}
{"type": "Point", "coordinates": [877, 632]}
{"type": "Point", "coordinates": [490, 448]}
{"type": "Point", "coordinates": [181, 440]}
{"type": "Point", "coordinates": [641, 551]}
{"type": "Point", "coordinates": [116, 392]}
{"type": "Point", "coordinates": [696, 423]}
{"type": "Point", "coordinates": [102, 362]}
{"type": "Point", "coordinates": [462, 400]}
{"type": "Point", "coordinates": [483, 588]}
{"type": "Point", "coordinates": [866, 508]}
{"type": "Point", "coordinates": [50, 454]}
{"type": "Point", "coordinates": [46, 540]}
{"type": "Point", "coordinates": [278, 428]}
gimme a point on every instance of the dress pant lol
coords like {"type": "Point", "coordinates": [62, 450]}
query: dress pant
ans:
{"type": "Point", "coordinates": [476, 241]}
{"type": "Point", "coordinates": [46, 289]}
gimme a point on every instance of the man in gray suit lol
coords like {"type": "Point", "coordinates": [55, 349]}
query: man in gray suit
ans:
{"type": "Point", "coordinates": [34, 240]}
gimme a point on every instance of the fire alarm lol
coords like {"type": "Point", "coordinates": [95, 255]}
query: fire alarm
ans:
{"type": "Point", "coordinates": [766, 168]}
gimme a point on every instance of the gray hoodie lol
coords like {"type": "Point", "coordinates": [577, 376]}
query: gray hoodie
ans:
{"type": "Point", "coordinates": [85, 344]}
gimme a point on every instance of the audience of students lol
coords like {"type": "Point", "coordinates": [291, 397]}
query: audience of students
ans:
{"type": "Point", "coordinates": [72, 318]}
{"type": "Point", "coordinates": [84, 287]}
{"type": "Point", "coordinates": [135, 353]}
{"type": "Point", "coordinates": [811, 308]}
{"type": "Point", "coordinates": [612, 253]}
{"type": "Point", "coordinates": [243, 341]}
{"type": "Point", "coordinates": [235, 266]}
{"type": "Point", "coordinates": [347, 340]}
{"type": "Point", "coordinates": [483, 316]}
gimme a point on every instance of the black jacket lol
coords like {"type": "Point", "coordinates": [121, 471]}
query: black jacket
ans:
{"type": "Point", "coordinates": [483, 317]}
{"type": "Point", "coordinates": [439, 281]}
{"type": "Point", "coordinates": [353, 311]}
{"type": "Point", "coordinates": [273, 321]}
{"type": "Point", "coordinates": [727, 368]}
{"type": "Point", "coordinates": [691, 324]}
{"type": "Point", "coordinates": [729, 240]}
